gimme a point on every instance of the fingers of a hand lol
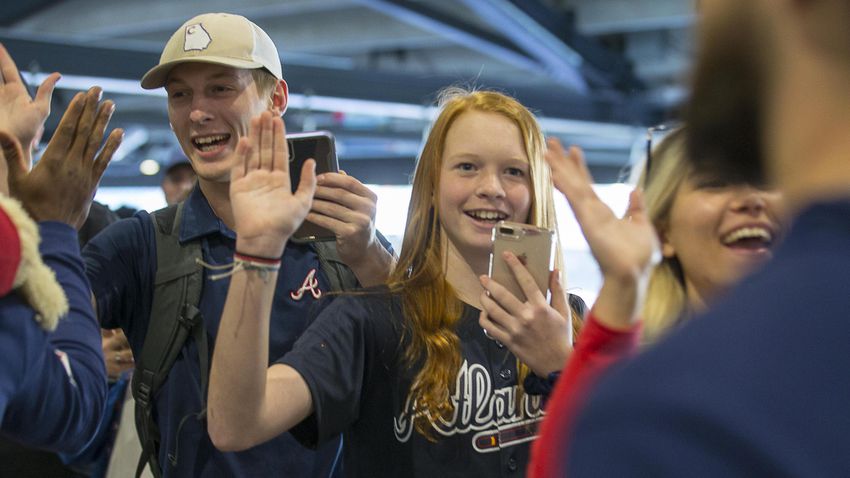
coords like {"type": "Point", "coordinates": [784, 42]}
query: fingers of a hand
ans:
{"type": "Point", "coordinates": [243, 155]}
{"type": "Point", "coordinates": [576, 156]}
{"type": "Point", "coordinates": [280, 158]}
{"type": "Point", "coordinates": [307, 183]}
{"type": "Point", "coordinates": [122, 357]}
{"type": "Point", "coordinates": [254, 139]}
{"type": "Point", "coordinates": [104, 114]}
{"type": "Point", "coordinates": [266, 141]}
{"type": "Point", "coordinates": [493, 329]}
{"type": "Point", "coordinates": [334, 225]}
{"type": "Point", "coordinates": [115, 343]}
{"type": "Point", "coordinates": [524, 279]}
{"type": "Point", "coordinates": [559, 297]}
{"type": "Point", "coordinates": [567, 171]}
{"type": "Point", "coordinates": [347, 200]}
{"type": "Point", "coordinates": [86, 123]}
{"type": "Point", "coordinates": [7, 67]}
{"type": "Point", "coordinates": [498, 315]}
{"type": "Point", "coordinates": [113, 141]}
{"type": "Point", "coordinates": [45, 92]}
{"type": "Point", "coordinates": [506, 299]}
{"type": "Point", "coordinates": [637, 207]}
{"type": "Point", "coordinates": [348, 183]}
{"type": "Point", "coordinates": [63, 138]}
{"type": "Point", "coordinates": [556, 158]}
{"type": "Point", "coordinates": [359, 218]}
{"type": "Point", "coordinates": [15, 161]}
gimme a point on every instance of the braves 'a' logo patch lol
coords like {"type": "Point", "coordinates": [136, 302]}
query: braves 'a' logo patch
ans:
{"type": "Point", "coordinates": [310, 284]}
{"type": "Point", "coordinates": [196, 38]}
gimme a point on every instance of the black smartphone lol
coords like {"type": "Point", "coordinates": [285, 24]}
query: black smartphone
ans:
{"type": "Point", "coordinates": [318, 145]}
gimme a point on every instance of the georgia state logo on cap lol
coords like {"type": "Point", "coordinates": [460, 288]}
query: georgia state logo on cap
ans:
{"type": "Point", "coordinates": [196, 38]}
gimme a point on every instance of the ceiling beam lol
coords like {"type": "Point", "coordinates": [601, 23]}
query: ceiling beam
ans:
{"type": "Point", "coordinates": [13, 12]}
{"type": "Point", "coordinates": [606, 17]}
{"type": "Point", "coordinates": [130, 64]}
{"type": "Point", "coordinates": [419, 15]}
{"type": "Point", "coordinates": [552, 38]}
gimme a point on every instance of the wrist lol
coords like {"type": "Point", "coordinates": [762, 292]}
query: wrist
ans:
{"type": "Point", "coordinates": [253, 258]}
{"type": "Point", "coordinates": [260, 247]}
{"type": "Point", "coordinates": [372, 266]}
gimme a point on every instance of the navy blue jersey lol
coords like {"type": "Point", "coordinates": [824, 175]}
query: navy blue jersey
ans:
{"type": "Point", "coordinates": [757, 387]}
{"type": "Point", "coordinates": [352, 359]}
{"type": "Point", "coordinates": [121, 265]}
{"type": "Point", "coordinates": [52, 384]}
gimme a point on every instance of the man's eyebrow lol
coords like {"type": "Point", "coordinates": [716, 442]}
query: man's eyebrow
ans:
{"type": "Point", "coordinates": [224, 76]}
{"type": "Point", "coordinates": [216, 76]}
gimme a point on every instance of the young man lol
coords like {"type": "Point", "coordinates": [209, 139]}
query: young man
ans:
{"type": "Point", "coordinates": [220, 71]}
{"type": "Point", "coordinates": [757, 387]}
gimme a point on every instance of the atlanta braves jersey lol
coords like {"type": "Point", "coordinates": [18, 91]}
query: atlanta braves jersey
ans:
{"type": "Point", "coordinates": [352, 358]}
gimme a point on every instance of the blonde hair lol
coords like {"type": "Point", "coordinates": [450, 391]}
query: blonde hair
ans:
{"type": "Point", "coordinates": [666, 298]}
{"type": "Point", "coordinates": [430, 305]}
{"type": "Point", "coordinates": [266, 83]}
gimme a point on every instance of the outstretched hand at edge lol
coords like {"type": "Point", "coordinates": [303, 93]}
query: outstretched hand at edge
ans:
{"type": "Point", "coordinates": [20, 115]}
{"type": "Point", "coordinates": [62, 185]}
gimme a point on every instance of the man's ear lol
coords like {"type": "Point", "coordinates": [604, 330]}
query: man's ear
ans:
{"type": "Point", "coordinates": [280, 98]}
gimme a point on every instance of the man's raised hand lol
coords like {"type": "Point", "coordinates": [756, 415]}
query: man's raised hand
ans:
{"type": "Point", "coordinates": [266, 212]}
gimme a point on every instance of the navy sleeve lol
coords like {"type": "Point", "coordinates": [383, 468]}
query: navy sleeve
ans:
{"type": "Point", "coordinates": [121, 266]}
{"type": "Point", "coordinates": [657, 439]}
{"type": "Point", "coordinates": [334, 356]}
{"type": "Point", "coordinates": [60, 389]}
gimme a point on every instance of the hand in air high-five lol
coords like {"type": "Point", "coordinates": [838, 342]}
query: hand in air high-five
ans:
{"type": "Point", "coordinates": [265, 210]}
{"type": "Point", "coordinates": [62, 185]}
{"type": "Point", "coordinates": [625, 248]}
{"type": "Point", "coordinates": [20, 115]}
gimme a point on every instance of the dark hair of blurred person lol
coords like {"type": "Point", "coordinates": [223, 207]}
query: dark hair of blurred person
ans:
{"type": "Point", "coordinates": [757, 386]}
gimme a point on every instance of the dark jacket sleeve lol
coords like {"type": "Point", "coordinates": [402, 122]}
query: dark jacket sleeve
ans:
{"type": "Point", "coordinates": [56, 382]}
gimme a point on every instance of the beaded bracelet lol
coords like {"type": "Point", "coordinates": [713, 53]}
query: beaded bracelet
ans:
{"type": "Point", "coordinates": [243, 262]}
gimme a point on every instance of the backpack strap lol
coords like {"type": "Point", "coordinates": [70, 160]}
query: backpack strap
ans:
{"type": "Point", "coordinates": [174, 316]}
{"type": "Point", "coordinates": [340, 277]}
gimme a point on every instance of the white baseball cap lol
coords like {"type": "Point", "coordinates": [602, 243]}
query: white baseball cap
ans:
{"type": "Point", "coordinates": [219, 38]}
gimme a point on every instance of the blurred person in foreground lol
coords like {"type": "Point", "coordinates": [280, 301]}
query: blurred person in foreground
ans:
{"type": "Point", "coordinates": [758, 385]}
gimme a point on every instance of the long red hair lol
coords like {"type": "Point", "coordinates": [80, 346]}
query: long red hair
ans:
{"type": "Point", "coordinates": [431, 307]}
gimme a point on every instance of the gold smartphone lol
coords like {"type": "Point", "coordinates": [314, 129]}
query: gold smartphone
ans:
{"type": "Point", "coordinates": [534, 246]}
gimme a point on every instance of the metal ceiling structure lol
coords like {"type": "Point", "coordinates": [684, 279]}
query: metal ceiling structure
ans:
{"type": "Point", "coordinates": [598, 71]}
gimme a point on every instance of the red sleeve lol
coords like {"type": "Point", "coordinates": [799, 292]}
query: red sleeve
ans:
{"type": "Point", "coordinates": [597, 349]}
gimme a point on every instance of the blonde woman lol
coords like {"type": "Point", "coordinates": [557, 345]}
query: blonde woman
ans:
{"type": "Point", "coordinates": [711, 233]}
{"type": "Point", "coordinates": [406, 372]}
